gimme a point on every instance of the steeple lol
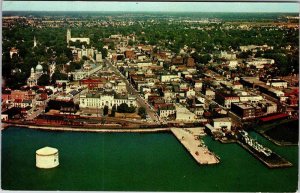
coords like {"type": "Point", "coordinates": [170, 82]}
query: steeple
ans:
{"type": "Point", "coordinates": [34, 42]}
{"type": "Point", "coordinates": [68, 35]}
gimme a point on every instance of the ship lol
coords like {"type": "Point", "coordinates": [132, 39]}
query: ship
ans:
{"type": "Point", "coordinates": [254, 144]}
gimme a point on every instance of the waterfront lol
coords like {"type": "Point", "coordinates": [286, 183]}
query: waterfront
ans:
{"type": "Point", "coordinates": [137, 162]}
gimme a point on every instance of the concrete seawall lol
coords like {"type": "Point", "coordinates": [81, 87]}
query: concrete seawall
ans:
{"type": "Point", "coordinates": [118, 130]}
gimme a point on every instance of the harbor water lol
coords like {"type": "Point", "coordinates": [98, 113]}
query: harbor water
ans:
{"type": "Point", "coordinates": [137, 162]}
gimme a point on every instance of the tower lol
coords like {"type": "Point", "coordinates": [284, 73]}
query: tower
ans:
{"type": "Point", "coordinates": [34, 42]}
{"type": "Point", "coordinates": [68, 35]}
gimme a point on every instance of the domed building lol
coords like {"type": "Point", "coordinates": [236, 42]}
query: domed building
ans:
{"type": "Point", "coordinates": [35, 75]}
{"type": "Point", "coordinates": [39, 69]}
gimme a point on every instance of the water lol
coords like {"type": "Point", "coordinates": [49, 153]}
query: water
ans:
{"type": "Point", "coordinates": [137, 162]}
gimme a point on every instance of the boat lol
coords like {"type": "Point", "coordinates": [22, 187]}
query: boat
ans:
{"type": "Point", "coordinates": [254, 144]}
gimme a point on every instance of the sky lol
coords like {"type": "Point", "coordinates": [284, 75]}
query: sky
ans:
{"type": "Point", "coordinates": [149, 6]}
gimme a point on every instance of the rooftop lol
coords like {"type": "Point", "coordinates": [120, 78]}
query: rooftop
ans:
{"type": "Point", "coordinates": [46, 151]}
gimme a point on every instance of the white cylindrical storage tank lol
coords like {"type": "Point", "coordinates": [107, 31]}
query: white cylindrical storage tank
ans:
{"type": "Point", "coordinates": [47, 157]}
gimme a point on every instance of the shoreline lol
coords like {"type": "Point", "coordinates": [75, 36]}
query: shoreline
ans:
{"type": "Point", "coordinates": [94, 130]}
{"type": "Point", "coordinates": [282, 144]}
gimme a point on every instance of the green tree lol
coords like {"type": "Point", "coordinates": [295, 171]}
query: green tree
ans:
{"type": "Point", "coordinates": [104, 53]}
{"type": "Point", "coordinates": [124, 108]}
{"type": "Point", "coordinates": [113, 111]}
{"type": "Point", "coordinates": [105, 110]}
{"type": "Point", "coordinates": [142, 112]}
{"type": "Point", "coordinates": [44, 80]}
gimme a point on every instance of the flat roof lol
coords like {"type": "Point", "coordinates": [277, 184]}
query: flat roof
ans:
{"type": "Point", "coordinates": [46, 151]}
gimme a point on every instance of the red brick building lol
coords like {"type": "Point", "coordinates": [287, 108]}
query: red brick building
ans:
{"type": "Point", "coordinates": [93, 83]}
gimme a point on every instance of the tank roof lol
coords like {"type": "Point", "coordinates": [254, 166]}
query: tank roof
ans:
{"type": "Point", "coordinates": [46, 151]}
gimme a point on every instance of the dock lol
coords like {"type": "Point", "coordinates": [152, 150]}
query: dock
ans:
{"type": "Point", "coordinates": [190, 139]}
{"type": "Point", "coordinates": [272, 161]}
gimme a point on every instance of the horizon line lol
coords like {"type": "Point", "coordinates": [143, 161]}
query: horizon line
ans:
{"type": "Point", "coordinates": [153, 11]}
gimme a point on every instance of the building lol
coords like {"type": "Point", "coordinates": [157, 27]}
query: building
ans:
{"type": "Point", "coordinates": [227, 55]}
{"type": "Point", "coordinates": [99, 57]}
{"type": "Point", "coordinates": [198, 85]}
{"type": "Point", "coordinates": [277, 83]}
{"type": "Point", "coordinates": [69, 38]}
{"type": "Point", "coordinates": [259, 62]}
{"type": "Point", "coordinates": [93, 83]}
{"type": "Point", "coordinates": [101, 99]}
{"type": "Point", "coordinates": [183, 114]}
{"type": "Point", "coordinates": [243, 110]}
{"type": "Point", "coordinates": [22, 103]}
{"type": "Point", "coordinates": [166, 111]}
{"type": "Point", "coordinates": [169, 78]}
{"type": "Point", "coordinates": [232, 64]}
{"type": "Point", "coordinates": [222, 123]}
{"type": "Point", "coordinates": [35, 75]}
{"type": "Point", "coordinates": [47, 157]}
{"type": "Point", "coordinates": [13, 51]}
{"type": "Point", "coordinates": [226, 99]}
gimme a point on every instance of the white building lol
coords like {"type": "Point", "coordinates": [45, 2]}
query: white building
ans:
{"type": "Point", "coordinates": [169, 78]}
{"type": "Point", "coordinates": [232, 64]}
{"type": "Point", "coordinates": [69, 38]}
{"type": "Point", "coordinates": [222, 123]}
{"type": "Point", "coordinates": [4, 117]}
{"type": "Point", "coordinates": [47, 157]}
{"type": "Point", "coordinates": [183, 114]}
{"type": "Point", "coordinates": [13, 51]}
{"type": "Point", "coordinates": [98, 57]}
{"type": "Point", "coordinates": [199, 111]}
{"type": "Point", "coordinates": [251, 98]}
{"type": "Point", "coordinates": [190, 93]}
{"type": "Point", "coordinates": [165, 112]}
{"type": "Point", "coordinates": [198, 85]}
{"type": "Point", "coordinates": [227, 55]}
{"type": "Point", "coordinates": [99, 100]}
{"type": "Point", "coordinates": [260, 62]}
{"type": "Point", "coordinates": [121, 87]}
{"type": "Point", "coordinates": [35, 75]}
{"type": "Point", "coordinates": [277, 83]}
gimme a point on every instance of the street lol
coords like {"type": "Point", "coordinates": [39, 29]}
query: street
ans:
{"type": "Point", "coordinates": [152, 114]}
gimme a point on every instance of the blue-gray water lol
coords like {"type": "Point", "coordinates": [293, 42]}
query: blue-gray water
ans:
{"type": "Point", "coordinates": [137, 162]}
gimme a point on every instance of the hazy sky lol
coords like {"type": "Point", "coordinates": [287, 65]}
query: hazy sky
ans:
{"type": "Point", "coordinates": [149, 6]}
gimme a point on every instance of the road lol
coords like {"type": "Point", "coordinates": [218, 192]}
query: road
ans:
{"type": "Point", "coordinates": [131, 90]}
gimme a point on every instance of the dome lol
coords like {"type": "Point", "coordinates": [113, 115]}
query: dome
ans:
{"type": "Point", "coordinates": [108, 85]}
{"type": "Point", "coordinates": [39, 67]}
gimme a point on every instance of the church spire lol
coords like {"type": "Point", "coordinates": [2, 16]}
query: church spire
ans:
{"type": "Point", "coordinates": [34, 42]}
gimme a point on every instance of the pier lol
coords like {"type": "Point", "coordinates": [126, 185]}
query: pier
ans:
{"type": "Point", "coordinates": [272, 161]}
{"type": "Point", "coordinates": [190, 139]}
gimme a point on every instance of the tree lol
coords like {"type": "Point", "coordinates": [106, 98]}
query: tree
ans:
{"type": "Point", "coordinates": [111, 46]}
{"type": "Point", "coordinates": [130, 42]}
{"type": "Point", "coordinates": [44, 80]}
{"type": "Point", "coordinates": [166, 66]}
{"type": "Point", "coordinates": [245, 55]}
{"type": "Point", "coordinates": [105, 110]}
{"type": "Point", "coordinates": [113, 111]}
{"type": "Point", "coordinates": [58, 76]}
{"type": "Point", "coordinates": [201, 59]}
{"type": "Point", "coordinates": [142, 112]}
{"type": "Point", "coordinates": [64, 86]}
{"type": "Point", "coordinates": [71, 78]}
{"type": "Point", "coordinates": [84, 58]}
{"type": "Point", "coordinates": [104, 53]}
{"type": "Point", "coordinates": [124, 108]}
